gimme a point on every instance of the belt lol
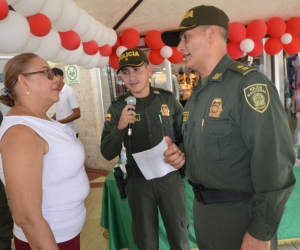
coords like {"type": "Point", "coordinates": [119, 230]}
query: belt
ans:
{"type": "Point", "coordinates": [133, 172]}
{"type": "Point", "coordinates": [209, 196]}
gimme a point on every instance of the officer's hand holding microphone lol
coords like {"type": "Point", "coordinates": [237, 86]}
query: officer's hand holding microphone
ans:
{"type": "Point", "coordinates": [127, 117]}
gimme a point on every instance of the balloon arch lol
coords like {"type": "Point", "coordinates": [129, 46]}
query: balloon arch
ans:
{"type": "Point", "coordinates": [59, 31]}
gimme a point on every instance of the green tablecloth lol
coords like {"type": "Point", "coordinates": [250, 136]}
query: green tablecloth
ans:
{"type": "Point", "coordinates": [116, 218]}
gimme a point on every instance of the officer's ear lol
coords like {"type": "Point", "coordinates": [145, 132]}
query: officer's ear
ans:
{"type": "Point", "coordinates": [149, 70]}
{"type": "Point", "coordinates": [213, 32]}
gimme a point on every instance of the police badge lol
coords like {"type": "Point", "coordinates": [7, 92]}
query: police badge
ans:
{"type": "Point", "coordinates": [164, 110]}
{"type": "Point", "coordinates": [216, 108]}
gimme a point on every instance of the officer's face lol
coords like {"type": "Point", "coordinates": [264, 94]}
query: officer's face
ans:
{"type": "Point", "coordinates": [193, 46]}
{"type": "Point", "coordinates": [136, 79]}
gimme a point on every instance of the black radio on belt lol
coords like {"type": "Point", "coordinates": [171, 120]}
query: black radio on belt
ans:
{"type": "Point", "coordinates": [121, 182]}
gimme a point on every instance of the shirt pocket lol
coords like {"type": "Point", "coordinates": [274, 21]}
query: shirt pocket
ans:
{"type": "Point", "coordinates": [217, 142]}
{"type": "Point", "coordinates": [167, 126]}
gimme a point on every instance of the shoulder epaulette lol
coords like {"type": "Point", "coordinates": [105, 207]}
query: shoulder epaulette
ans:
{"type": "Point", "coordinates": [241, 68]}
{"type": "Point", "coordinates": [118, 97]}
{"type": "Point", "coordinates": [158, 90]}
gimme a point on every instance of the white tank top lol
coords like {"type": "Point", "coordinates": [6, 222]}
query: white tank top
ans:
{"type": "Point", "coordinates": [65, 183]}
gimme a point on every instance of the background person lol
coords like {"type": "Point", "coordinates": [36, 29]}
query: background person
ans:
{"type": "Point", "coordinates": [238, 146]}
{"type": "Point", "coordinates": [41, 160]}
{"type": "Point", "coordinates": [157, 113]}
{"type": "Point", "coordinates": [6, 220]}
{"type": "Point", "coordinates": [67, 108]}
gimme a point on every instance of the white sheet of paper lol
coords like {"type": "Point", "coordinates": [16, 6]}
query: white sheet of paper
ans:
{"type": "Point", "coordinates": [151, 162]}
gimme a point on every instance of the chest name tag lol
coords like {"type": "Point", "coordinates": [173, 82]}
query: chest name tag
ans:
{"type": "Point", "coordinates": [137, 117]}
{"type": "Point", "coordinates": [185, 116]}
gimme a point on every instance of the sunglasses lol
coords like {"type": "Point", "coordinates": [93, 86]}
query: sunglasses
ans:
{"type": "Point", "coordinates": [49, 73]}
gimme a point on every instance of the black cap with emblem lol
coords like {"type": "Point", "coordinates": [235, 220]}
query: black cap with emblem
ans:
{"type": "Point", "coordinates": [132, 58]}
{"type": "Point", "coordinates": [200, 15]}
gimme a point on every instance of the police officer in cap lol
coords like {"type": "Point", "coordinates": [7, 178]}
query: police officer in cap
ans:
{"type": "Point", "coordinates": [237, 143]}
{"type": "Point", "coordinates": [156, 114]}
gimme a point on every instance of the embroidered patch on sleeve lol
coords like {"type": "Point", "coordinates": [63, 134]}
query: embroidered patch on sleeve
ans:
{"type": "Point", "coordinates": [107, 117]}
{"type": "Point", "coordinates": [257, 96]}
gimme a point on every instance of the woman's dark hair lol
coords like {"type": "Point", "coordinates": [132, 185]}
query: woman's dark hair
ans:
{"type": "Point", "coordinates": [12, 69]}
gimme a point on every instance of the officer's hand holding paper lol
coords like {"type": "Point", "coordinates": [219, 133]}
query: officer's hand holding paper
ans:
{"type": "Point", "coordinates": [151, 162]}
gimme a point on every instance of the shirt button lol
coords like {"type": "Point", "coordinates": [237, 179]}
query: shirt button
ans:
{"type": "Point", "coordinates": [194, 124]}
{"type": "Point", "coordinates": [149, 121]}
{"type": "Point", "coordinates": [197, 101]}
{"type": "Point", "coordinates": [150, 135]}
{"type": "Point", "coordinates": [194, 146]}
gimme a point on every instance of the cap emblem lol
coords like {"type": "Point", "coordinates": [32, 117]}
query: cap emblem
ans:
{"type": "Point", "coordinates": [188, 14]}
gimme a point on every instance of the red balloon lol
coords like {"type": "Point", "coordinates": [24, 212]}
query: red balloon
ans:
{"type": "Point", "coordinates": [70, 40]}
{"type": "Point", "coordinates": [155, 57]}
{"type": "Point", "coordinates": [258, 49]}
{"type": "Point", "coordinates": [236, 32]}
{"type": "Point", "coordinates": [105, 50]}
{"type": "Point", "coordinates": [130, 38]}
{"type": "Point", "coordinates": [114, 60]}
{"type": "Point", "coordinates": [176, 56]}
{"type": "Point", "coordinates": [293, 26]}
{"type": "Point", "coordinates": [293, 47]}
{"type": "Point", "coordinates": [90, 48]}
{"type": "Point", "coordinates": [256, 30]}
{"type": "Point", "coordinates": [276, 27]}
{"type": "Point", "coordinates": [234, 50]}
{"type": "Point", "coordinates": [3, 9]}
{"type": "Point", "coordinates": [117, 44]}
{"type": "Point", "coordinates": [153, 39]}
{"type": "Point", "coordinates": [273, 46]}
{"type": "Point", "coordinates": [40, 24]}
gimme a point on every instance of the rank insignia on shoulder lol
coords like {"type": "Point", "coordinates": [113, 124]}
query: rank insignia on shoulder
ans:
{"type": "Point", "coordinates": [107, 117]}
{"type": "Point", "coordinates": [242, 68]}
{"type": "Point", "coordinates": [216, 76]}
{"type": "Point", "coordinates": [216, 108]}
{"type": "Point", "coordinates": [185, 116]}
{"type": "Point", "coordinates": [164, 110]}
{"type": "Point", "coordinates": [257, 97]}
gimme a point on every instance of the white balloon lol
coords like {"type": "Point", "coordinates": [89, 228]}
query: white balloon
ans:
{"type": "Point", "coordinates": [15, 33]}
{"type": "Point", "coordinates": [32, 45]}
{"type": "Point", "coordinates": [83, 23]}
{"type": "Point", "coordinates": [69, 17]}
{"type": "Point", "coordinates": [62, 55]}
{"type": "Point", "coordinates": [94, 61]}
{"type": "Point", "coordinates": [247, 45]}
{"type": "Point", "coordinates": [53, 9]}
{"type": "Point", "coordinates": [112, 37]}
{"type": "Point", "coordinates": [92, 31]}
{"type": "Point", "coordinates": [74, 55]}
{"type": "Point", "coordinates": [105, 37]}
{"type": "Point", "coordinates": [120, 50]}
{"type": "Point", "coordinates": [103, 61]}
{"type": "Point", "coordinates": [99, 34]}
{"type": "Point", "coordinates": [166, 51]}
{"type": "Point", "coordinates": [29, 7]}
{"type": "Point", "coordinates": [11, 2]}
{"type": "Point", "coordinates": [84, 60]}
{"type": "Point", "coordinates": [286, 38]}
{"type": "Point", "coordinates": [50, 46]}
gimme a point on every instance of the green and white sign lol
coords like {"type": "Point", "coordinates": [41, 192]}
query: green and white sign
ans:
{"type": "Point", "coordinates": [72, 75]}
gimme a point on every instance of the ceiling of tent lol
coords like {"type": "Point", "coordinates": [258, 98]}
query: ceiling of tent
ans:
{"type": "Point", "coordinates": [164, 14]}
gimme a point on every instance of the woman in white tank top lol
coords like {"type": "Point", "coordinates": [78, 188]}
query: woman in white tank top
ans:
{"type": "Point", "coordinates": [41, 160]}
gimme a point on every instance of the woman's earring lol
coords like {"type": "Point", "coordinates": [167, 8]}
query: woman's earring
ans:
{"type": "Point", "coordinates": [27, 92]}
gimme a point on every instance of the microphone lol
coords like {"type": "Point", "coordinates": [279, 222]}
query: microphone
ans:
{"type": "Point", "coordinates": [132, 101]}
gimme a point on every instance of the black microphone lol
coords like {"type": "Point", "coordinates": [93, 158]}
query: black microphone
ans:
{"type": "Point", "coordinates": [132, 101]}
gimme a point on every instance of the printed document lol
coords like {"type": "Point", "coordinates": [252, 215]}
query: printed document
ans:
{"type": "Point", "coordinates": [151, 162]}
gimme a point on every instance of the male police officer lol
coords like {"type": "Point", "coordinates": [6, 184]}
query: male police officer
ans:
{"type": "Point", "coordinates": [157, 113]}
{"type": "Point", "coordinates": [238, 146]}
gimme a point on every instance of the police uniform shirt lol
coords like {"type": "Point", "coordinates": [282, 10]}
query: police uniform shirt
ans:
{"type": "Point", "coordinates": [161, 116]}
{"type": "Point", "coordinates": [237, 138]}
